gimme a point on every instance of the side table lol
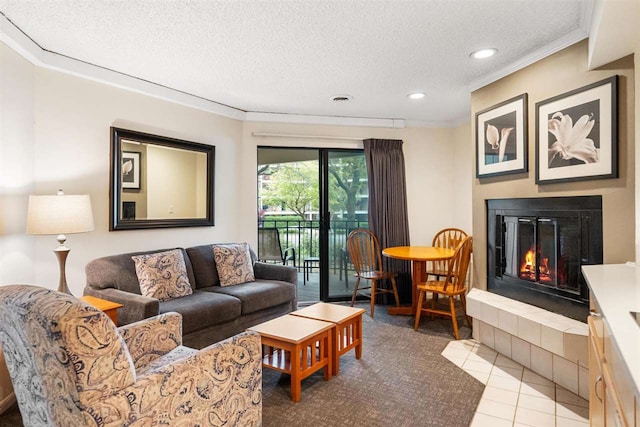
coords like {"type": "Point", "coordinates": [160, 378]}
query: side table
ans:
{"type": "Point", "coordinates": [347, 333]}
{"type": "Point", "coordinates": [296, 346]}
{"type": "Point", "coordinates": [110, 308]}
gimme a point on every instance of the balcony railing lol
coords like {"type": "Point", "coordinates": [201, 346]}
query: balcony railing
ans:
{"type": "Point", "coordinates": [304, 236]}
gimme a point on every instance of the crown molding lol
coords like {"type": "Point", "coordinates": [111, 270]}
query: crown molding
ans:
{"type": "Point", "coordinates": [613, 33]}
{"type": "Point", "coordinates": [586, 19]}
{"type": "Point", "coordinates": [13, 37]}
{"type": "Point", "coordinates": [17, 40]}
{"type": "Point", "coordinates": [567, 40]}
{"type": "Point", "coordinates": [453, 123]}
{"type": "Point", "coordinates": [324, 120]}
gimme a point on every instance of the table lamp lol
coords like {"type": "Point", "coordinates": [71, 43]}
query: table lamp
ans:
{"type": "Point", "coordinates": [60, 214]}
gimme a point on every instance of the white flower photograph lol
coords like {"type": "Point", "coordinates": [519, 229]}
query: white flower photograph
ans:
{"type": "Point", "coordinates": [501, 138]}
{"type": "Point", "coordinates": [131, 170]}
{"type": "Point", "coordinates": [576, 135]}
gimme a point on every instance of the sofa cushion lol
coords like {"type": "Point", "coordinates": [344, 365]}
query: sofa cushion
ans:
{"type": "Point", "coordinates": [204, 266]}
{"type": "Point", "coordinates": [119, 272]}
{"type": "Point", "coordinates": [202, 309]}
{"type": "Point", "coordinates": [233, 263]}
{"type": "Point", "coordinates": [162, 275]}
{"type": "Point", "coordinates": [258, 295]}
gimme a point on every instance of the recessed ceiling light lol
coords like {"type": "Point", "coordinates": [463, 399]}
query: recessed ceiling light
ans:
{"type": "Point", "coordinates": [483, 53]}
{"type": "Point", "coordinates": [341, 98]}
{"type": "Point", "coordinates": [416, 95]}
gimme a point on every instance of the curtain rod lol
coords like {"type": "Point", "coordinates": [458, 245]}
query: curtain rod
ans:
{"type": "Point", "coordinates": [286, 135]}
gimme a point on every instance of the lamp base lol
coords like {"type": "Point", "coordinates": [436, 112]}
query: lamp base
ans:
{"type": "Point", "coordinates": [61, 253]}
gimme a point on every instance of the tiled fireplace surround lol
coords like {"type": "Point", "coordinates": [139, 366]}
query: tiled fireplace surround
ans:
{"type": "Point", "coordinates": [549, 344]}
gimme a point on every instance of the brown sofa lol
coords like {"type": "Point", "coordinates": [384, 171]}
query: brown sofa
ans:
{"type": "Point", "coordinates": [212, 313]}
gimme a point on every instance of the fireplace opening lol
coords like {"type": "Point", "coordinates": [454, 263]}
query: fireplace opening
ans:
{"type": "Point", "coordinates": [535, 248]}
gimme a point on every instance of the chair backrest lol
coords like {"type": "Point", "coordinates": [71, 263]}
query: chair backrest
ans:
{"type": "Point", "coordinates": [458, 265]}
{"type": "Point", "coordinates": [62, 354]}
{"type": "Point", "coordinates": [447, 238]}
{"type": "Point", "coordinates": [364, 250]}
{"type": "Point", "coordinates": [269, 247]}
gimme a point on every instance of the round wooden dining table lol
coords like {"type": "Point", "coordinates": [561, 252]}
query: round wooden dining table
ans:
{"type": "Point", "coordinates": [418, 255]}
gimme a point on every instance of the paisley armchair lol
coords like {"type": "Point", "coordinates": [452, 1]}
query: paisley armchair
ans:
{"type": "Point", "coordinates": [71, 366]}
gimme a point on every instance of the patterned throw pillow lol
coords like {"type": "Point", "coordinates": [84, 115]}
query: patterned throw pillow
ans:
{"type": "Point", "coordinates": [163, 275]}
{"type": "Point", "coordinates": [233, 263]}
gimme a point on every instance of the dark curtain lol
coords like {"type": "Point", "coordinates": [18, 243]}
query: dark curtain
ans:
{"type": "Point", "coordinates": [388, 217]}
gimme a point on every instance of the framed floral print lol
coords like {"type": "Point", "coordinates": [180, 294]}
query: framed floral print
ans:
{"type": "Point", "coordinates": [577, 134]}
{"type": "Point", "coordinates": [501, 138]}
{"type": "Point", "coordinates": [131, 170]}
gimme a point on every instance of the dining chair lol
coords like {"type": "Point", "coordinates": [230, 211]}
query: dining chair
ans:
{"type": "Point", "coordinates": [365, 253]}
{"type": "Point", "coordinates": [454, 284]}
{"type": "Point", "coordinates": [445, 238]}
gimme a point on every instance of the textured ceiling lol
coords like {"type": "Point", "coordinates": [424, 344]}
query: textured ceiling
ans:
{"type": "Point", "coordinates": [292, 56]}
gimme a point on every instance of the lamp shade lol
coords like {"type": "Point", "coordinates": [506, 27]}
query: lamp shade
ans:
{"type": "Point", "coordinates": [61, 214]}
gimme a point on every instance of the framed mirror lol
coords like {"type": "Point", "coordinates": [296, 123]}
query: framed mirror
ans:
{"type": "Point", "coordinates": [159, 182]}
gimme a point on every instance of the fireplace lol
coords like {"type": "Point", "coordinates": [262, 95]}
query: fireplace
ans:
{"type": "Point", "coordinates": [535, 248]}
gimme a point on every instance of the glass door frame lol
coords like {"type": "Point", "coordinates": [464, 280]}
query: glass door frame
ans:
{"type": "Point", "coordinates": [325, 222]}
{"type": "Point", "coordinates": [324, 155]}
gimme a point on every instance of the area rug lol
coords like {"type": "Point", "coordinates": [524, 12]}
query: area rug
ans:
{"type": "Point", "coordinates": [401, 380]}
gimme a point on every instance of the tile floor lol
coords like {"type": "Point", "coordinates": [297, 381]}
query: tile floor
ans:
{"type": "Point", "coordinates": [514, 395]}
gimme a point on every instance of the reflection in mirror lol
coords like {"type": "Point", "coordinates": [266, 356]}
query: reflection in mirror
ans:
{"type": "Point", "coordinates": [159, 182]}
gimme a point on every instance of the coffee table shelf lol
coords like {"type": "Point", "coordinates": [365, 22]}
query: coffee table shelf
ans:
{"type": "Point", "coordinates": [297, 346]}
{"type": "Point", "coordinates": [277, 359]}
{"type": "Point", "coordinates": [347, 333]}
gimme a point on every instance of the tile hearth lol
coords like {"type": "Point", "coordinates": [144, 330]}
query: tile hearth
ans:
{"type": "Point", "coordinates": [514, 395]}
{"type": "Point", "coordinates": [549, 344]}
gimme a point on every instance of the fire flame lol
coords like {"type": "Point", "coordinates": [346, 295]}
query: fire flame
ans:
{"type": "Point", "coordinates": [544, 266]}
{"type": "Point", "coordinates": [528, 267]}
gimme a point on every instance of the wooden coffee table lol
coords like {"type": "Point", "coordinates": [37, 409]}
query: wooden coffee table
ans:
{"type": "Point", "coordinates": [296, 346]}
{"type": "Point", "coordinates": [347, 333]}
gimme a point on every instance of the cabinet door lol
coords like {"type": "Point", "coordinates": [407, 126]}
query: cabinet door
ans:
{"type": "Point", "coordinates": [615, 412]}
{"type": "Point", "coordinates": [596, 381]}
{"type": "Point", "coordinates": [620, 384]}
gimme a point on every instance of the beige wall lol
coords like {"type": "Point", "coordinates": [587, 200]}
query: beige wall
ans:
{"type": "Point", "coordinates": [16, 164]}
{"type": "Point", "coordinates": [637, 120]}
{"type": "Point", "coordinates": [172, 183]}
{"type": "Point", "coordinates": [559, 73]}
{"type": "Point", "coordinates": [201, 186]}
{"type": "Point", "coordinates": [59, 137]}
{"type": "Point", "coordinates": [462, 177]}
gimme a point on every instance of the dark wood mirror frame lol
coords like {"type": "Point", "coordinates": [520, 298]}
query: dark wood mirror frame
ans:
{"type": "Point", "coordinates": [116, 211]}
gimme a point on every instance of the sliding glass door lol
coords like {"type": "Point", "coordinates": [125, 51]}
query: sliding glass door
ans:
{"type": "Point", "coordinates": [310, 199]}
{"type": "Point", "coordinates": [345, 204]}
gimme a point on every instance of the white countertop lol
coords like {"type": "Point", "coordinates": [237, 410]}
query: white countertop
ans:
{"type": "Point", "coordinates": [616, 288]}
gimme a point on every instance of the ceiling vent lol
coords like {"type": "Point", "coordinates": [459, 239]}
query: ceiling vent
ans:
{"type": "Point", "coordinates": [341, 98]}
